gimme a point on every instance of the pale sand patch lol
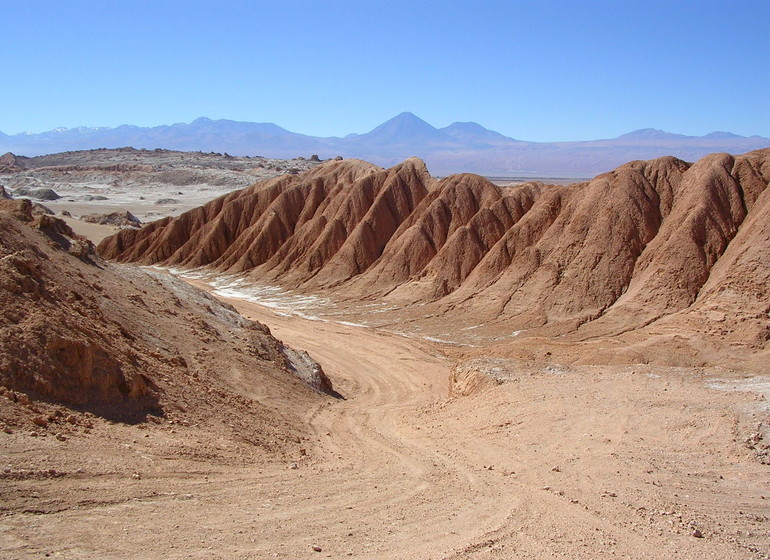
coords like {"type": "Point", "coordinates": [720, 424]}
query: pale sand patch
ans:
{"type": "Point", "coordinates": [93, 232]}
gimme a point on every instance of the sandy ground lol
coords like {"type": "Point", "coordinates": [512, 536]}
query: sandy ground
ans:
{"type": "Point", "coordinates": [540, 462]}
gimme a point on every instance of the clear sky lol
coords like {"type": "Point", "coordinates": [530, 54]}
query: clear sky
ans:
{"type": "Point", "coordinates": [541, 70]}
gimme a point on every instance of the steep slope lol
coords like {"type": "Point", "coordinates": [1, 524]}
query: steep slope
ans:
{"type": "Point", "coordinates": [733, 302]}
{"type": "Point", "coordinates": [615, 253]}
{"type": "Point", "coordinates": [707, 207]}
{"type": "Point", "coordinates": [131, 345]}
{"type": "Point", "coordinates": [337, 218]}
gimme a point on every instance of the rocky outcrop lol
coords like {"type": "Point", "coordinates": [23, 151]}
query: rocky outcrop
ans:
{"type": "Point", "coordinates": [129, 344]}
{"type": "Point", "coordinates": [11, 163]}
{"type": "Point", "coordinates": [306, 368]}
{"type": "Point", "coordinates": [36, 193]}
{"type": "Point", "coordinates": [119, 218]}
{"type": "Point", "coordinates": [22, 209]}
{"type": "Point", "coordinates": [617, 252]}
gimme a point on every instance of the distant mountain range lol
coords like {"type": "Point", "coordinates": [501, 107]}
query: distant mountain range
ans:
{"type": "Point", "coordinates": [459, 147]}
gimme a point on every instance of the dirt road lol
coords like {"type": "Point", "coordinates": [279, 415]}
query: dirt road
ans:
{"type": "Point", "coordinates": [548, 462]}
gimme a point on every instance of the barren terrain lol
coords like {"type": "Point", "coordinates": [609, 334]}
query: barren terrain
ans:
{"type": "Point", "coordinates": [451, 439]}
{"type": "Point", "coordinates": [544, 462]}
{"type": "Point", "coordinates": [151, 183]}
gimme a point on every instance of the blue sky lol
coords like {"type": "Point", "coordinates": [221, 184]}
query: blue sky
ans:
{"type": "Point", "coordinates": [534, 70]}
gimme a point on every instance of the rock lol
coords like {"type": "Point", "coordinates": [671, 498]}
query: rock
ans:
{"type": "Point", "coordinates": [559, 255]}
{"type": "Point", "coordinates": [11, 163]}
{"type": "Point", "coordinates": [21, 209]}
{"type": "Point", "coordinates": [61, 437]}
{"type": "Point", "coordinates": [40, 209]}
{"type": "Point", "coordinates": [40, 421]}
{"type": "Point", "coordinates": [317, 549]}
{"type": "Point", "coordinates": [306, 368]}
{"type": "Point", "coordinates": [40, 193]}
{"type": "Point", "coordinates": [167, 201]}
{"type": "Point", "coordinates": [119, 218]}
{"type": "Point", "coordinates": [753, 439]}
{"type": "Point", "coordinates": [62, 235]}
{"type": "Point", "coordinates": [697, 533]}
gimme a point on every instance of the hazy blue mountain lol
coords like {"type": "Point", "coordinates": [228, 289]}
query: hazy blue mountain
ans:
{"type": "Point", "coordinates": [474, 133]}
{"type": "Point", "coordinates": [722, 134]}
{"type": "Point", "coordinates": [649, 134]}
{"type": "Point", "coordinates": [403, 129]}
{"type": "Point", "coordinates": [461, 146]}
{"type": "Point", "coordinates": [202, 134]}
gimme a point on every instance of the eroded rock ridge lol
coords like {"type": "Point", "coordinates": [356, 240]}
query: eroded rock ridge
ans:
{"type": "Point", "coordinates": [647, 240]}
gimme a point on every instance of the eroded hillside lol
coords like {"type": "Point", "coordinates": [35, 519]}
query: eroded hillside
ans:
{"type": "Point", "coordinates": [660, 240]}
{"type": "Point", "coordinates": [84, 337]}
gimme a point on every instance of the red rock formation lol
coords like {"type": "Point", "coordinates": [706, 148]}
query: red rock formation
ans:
{"type": "Point", "coordinates": [614, 253]}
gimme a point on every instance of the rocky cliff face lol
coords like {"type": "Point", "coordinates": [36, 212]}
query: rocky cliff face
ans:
{"type": "Point", "coordinates": [647, 240]}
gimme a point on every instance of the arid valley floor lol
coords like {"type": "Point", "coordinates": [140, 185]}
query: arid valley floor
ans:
{"type": "Point", "coordinates": [450, 432]}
